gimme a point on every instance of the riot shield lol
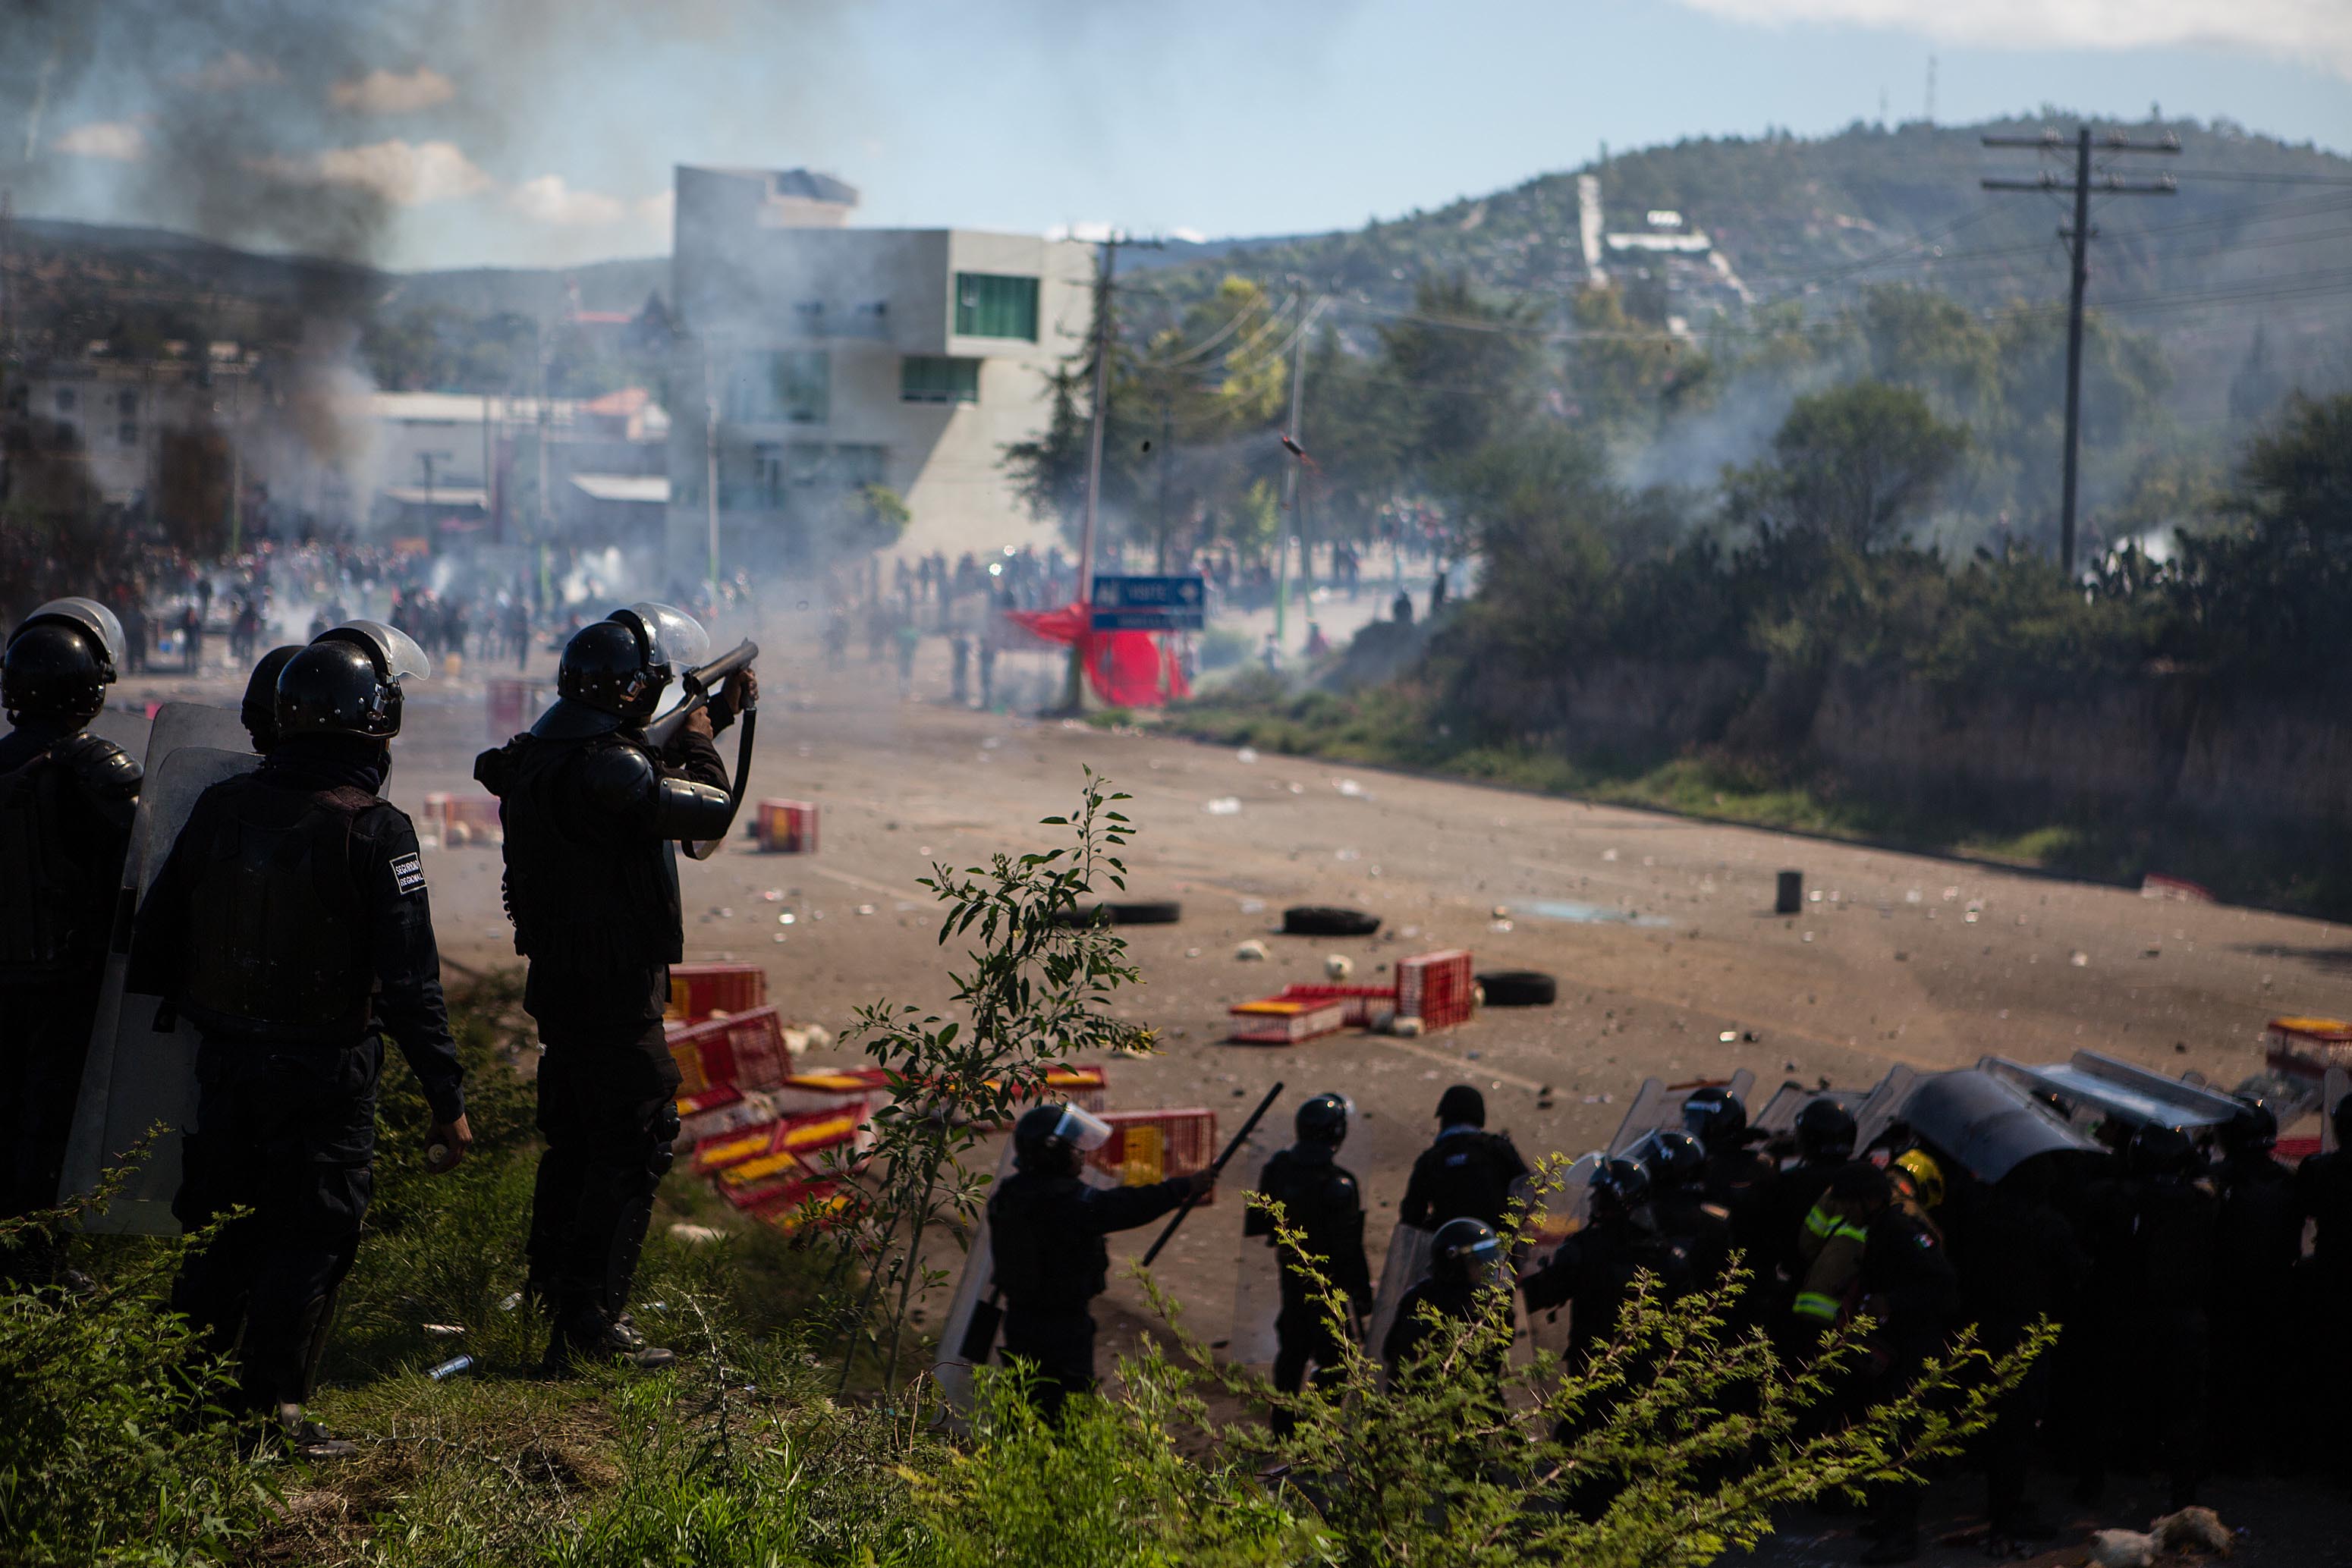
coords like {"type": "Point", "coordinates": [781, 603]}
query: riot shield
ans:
{"type": "Point", "coordinates": [2097, 1091]}
{"type": "Point", "coordinates": [1258, 1302]}
{"type": "Point", "coordinates": [1877, 1112]}
{"type": "Point", "coordinates": [1407, 1266]}
{"type": "Point", "coordinates": [1656, 1105]}
{"type": "Point", "coordinates": [950, 1368]}
{"type": "Point", "coordinates": [136, 1077]}
{"type": "Point", "coordinates": [1987, 1124]}
{"type": "Point", "coordinates": [1564, 1215]}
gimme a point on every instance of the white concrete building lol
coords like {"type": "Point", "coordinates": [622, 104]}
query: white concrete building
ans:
{"type": "Point", "coordinates": [842, 356]}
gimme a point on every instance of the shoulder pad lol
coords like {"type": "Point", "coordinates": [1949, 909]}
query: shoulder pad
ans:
{"type": "Point", "coordinates": [102, 768]}
{"type": "Point", "coordinates": [617, 777]}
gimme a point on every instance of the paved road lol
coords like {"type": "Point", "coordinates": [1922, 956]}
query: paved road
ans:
{"type": "Point", "coordinates": [1659, 928]}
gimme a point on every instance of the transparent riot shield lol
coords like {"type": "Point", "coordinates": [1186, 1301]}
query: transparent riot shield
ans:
{"type": "Point", "coordinates": [1884, 1104]}
{"type": "Point", "coordinates": [1564, 1214]}
{"type": "Point", "coordinates": [136, 1077]}
{"type": "Point", "coordinates": [1407, 1266]}
{"type": "Point", "coordinates": [951, 1368]}
{"type": "Point", "coordinates": [1656, 1105]}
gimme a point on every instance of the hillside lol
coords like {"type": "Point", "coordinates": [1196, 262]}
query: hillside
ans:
{"type": "Point", "coordinates": [2246, 239]}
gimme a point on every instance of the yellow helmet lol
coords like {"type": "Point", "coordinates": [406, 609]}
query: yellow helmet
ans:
{"type": "Point", "coordinates": [1927, 1176]}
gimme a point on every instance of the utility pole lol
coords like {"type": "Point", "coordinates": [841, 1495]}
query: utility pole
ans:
{"type": "Point", "coordinates": [1073, 685]}
{"type": "Point", "coordinates": [1295, 523]}
{"type": "Point", "coordinates": [546, 507]}
{"type": "Point", "coordinates": [1167, 451]}
{"type": "Point", "coordinates": [1100, 417]}
{"type": "Point", "coordinates": [2078, 241]}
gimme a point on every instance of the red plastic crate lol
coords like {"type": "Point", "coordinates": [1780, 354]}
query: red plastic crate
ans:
{"type": "Point", "coordinates": [1358, 999]}
{"type": "Point", "coordinates": [1147, 1146]}
{"type": "Point", "coordinates": [460, 820]}
{"type": "Point", "coordinates": [786, 827]}
{"type": "Point", "coordinates": [1278, 1020]}
{"type": "Point", "coordinates": [1436, 987]}
{"type": "Point", "coordinates": [802, 1092]}
{"type": "Point", "coordinates": [698, 990]}
{"type": "Point", "coordinates": [751, 1168]}
{"type": "Point", "coordinates": [746, 1050]}
{"type": "Point", "coordinates": [799, 1203]}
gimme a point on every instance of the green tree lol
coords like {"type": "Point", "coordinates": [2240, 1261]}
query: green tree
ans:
{"type": "Point", "coordinates": [1854, 466]}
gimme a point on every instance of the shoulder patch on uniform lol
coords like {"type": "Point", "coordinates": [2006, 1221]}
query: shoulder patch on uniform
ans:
{"type": "Point", "coordinates": [408, 872]}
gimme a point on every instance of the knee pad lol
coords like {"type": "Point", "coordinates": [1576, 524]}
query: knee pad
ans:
{"type": "Point", "coordinates": [662, 1147]}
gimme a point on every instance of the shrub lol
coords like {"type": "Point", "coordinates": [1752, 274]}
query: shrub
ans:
{"type": "Point", "coordinates": [116, 1447]}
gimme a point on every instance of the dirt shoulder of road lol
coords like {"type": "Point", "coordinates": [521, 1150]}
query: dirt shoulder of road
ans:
{"type": "Point", "coordinates": [2280, 870]}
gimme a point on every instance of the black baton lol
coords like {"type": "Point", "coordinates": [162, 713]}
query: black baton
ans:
{"type": "Point", "coordinates": [1248, 1127]}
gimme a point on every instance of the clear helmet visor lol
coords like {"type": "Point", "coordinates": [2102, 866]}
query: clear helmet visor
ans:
{"type": "Point", "coordinates": [1082, 1128]}
{"type": "Point", "coordinates": [673, 638]}
{"type": "Point", "coordinates": [88, 616]}
{"type": "Point", "coordinates": [393, 650]}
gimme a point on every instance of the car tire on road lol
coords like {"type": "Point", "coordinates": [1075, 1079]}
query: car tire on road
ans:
{"type": "Point", "coordinates": [1133, 912]}
{"type": "Point", "coordinates": [1323, 920]}
{"type": "Point", "coordinates": [1518, 988]}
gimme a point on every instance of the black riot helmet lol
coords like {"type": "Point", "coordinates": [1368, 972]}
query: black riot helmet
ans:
{"type": "Point", "coordinates": [347, 681]}
{"type": "Point", "coordinates": [1460, 1248]}
{"type": "Point", "coordinates": [1620, 1184]}
{"type": "Point", "coordinates": [1048, 1139]}
{"type": "Point", "coordinates": [1673, 1159]}
{"type": "Point", "coordinates": [2158, 1151]}
{"type": "Point", "coordinates": [260, 709]}
{"type": "Point", "coordinates": [60, 660]}
{"type": "Point", "coordinates": [2253, 1133]}
{"type": "Point", "coordinates": [622, 664]}
{"type": "Point", "coordinates": [1715, 1117]}
{"type": "Point", "coordinates": [1462, 1105]}
{"type": "Point", "coordinates": [1825, 1131]}
{"type": "Point", "coordinates": [1322, 1121]}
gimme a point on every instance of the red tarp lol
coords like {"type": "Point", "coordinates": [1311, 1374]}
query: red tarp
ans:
{"type": "Point", "coordinates": [1128, 668]}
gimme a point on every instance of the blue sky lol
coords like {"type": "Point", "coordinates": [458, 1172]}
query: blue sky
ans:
{"type": "Point", "coordinates": [545, 135]}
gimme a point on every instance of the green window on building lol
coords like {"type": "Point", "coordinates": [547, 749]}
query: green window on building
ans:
{"type": "Point", "coordinates": [929, 378]}
{"type": "Point", "coordinates": [989, 305]}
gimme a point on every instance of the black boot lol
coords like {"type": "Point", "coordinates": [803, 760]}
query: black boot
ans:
{"type": "Point", "coordinates": [585, 1334]}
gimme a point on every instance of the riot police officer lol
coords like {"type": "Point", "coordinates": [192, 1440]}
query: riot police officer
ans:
{"type": "Point", "coordinates": [1593, 1273]}
{"type": "Point", "coordinates": [1045, 1232]}
{"type": "Point", "coordinates": [1320, 1199]}
{"type": "Point", "coordinates": [259, 712]}
{"type": "Point", "coordinates": [1910, 1291]}
{"type": "Point", "coordinates": [593, 814]}
{"type": "Point", "coordinates": [1739, 1179]}
{"type": "Point", "coordinates": [67, 797]}
{"type": "Point", "coordinates": [1466, 1172]}
{"type": "Point", "coordinates": [2258, 1238]}
{"type": "Point", "coordinates": [288, 923]}
{"type": "Point", "coordinates": [1465, 1257]}
{"type": "Point", "coordinates": [1677, 1167]}
{"type": "Point", "coordinates": [2323, 1190]}
{"type": "Point", "coordinates": [1825, 1134]}
{"type": "Point", "coordinates": [2151, 1235]}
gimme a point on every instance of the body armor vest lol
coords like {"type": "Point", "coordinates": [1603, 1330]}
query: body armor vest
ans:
{"type": "Point", "coordinates": [54, 914]}
{"type": "Point", "coordinates": [278, 942]}
{"type": "Point", "coordinates": [599, 902]}
{"type": "Point", "coordinates": [1044, 1263]}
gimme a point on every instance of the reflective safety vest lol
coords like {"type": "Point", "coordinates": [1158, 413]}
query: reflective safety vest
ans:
{"type": "Point", "coordinates": [1833, 1245]}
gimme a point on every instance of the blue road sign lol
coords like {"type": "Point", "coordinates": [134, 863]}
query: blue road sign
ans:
{"type": "Point", "coordinates": [1150, 603]}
